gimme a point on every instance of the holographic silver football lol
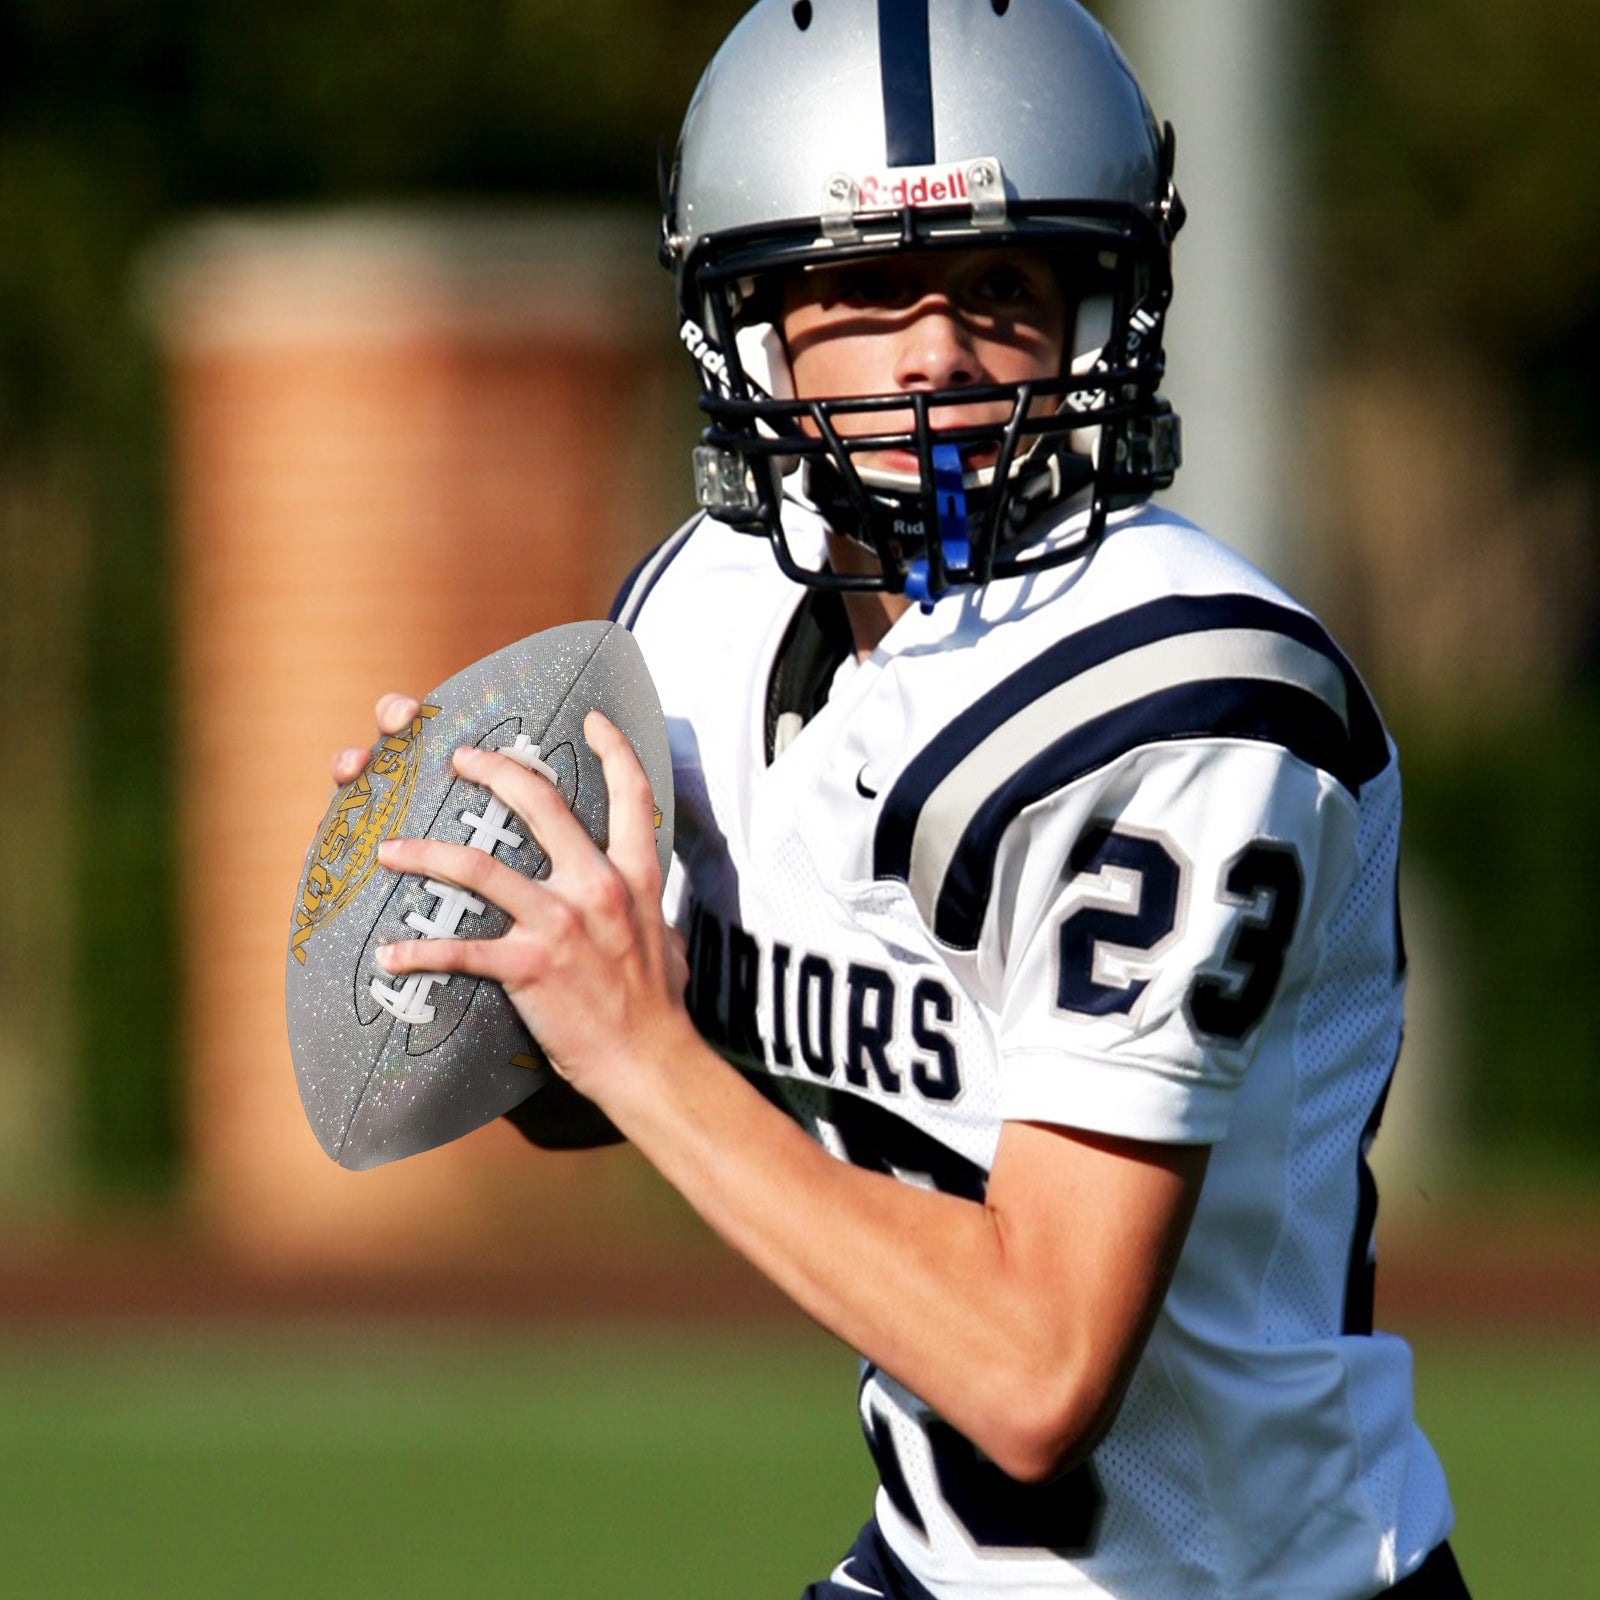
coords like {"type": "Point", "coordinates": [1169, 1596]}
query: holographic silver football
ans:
{"type": "Point", "coordinates": [388, 1066]}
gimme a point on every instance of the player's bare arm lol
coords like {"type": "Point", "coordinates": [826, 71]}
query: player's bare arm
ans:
{"type": "Point", "coordinates": [1019, 1320]}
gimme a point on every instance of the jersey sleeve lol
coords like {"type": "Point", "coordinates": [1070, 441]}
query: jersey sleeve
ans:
{"type": "Point", "coordinates": [637, 587]}
{"type": "Point", "coordinates": [1149, 927]}
{"type": "Point", "coordinates": [1131, 836]}
{"type": "Point", "coordinates": [628, 608]}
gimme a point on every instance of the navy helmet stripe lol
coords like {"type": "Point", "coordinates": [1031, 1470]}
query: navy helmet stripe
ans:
{"type": "Point", "coordinates": [1252, 709]}
{"type": "Point", "coordinates": [904, 58]}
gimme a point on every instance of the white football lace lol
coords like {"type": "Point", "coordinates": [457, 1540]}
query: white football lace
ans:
{"type": "Point", "coordinates": [409, 1000]}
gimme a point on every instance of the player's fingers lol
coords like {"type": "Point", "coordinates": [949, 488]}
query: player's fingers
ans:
{"type": "Point", "coordinates": [536, 803]}
{"type": "Point", "coordinates": [349, 764]}
{"type": "Point", "coordinates": [634, 819]}
{"type": "Point", "coordinates": [476, 871]}
{"type": "Point", "coordinates": [483, 958]}
{"type": "Point", "coordinates": [588, 885]}
{"type": "Point", "coordinates": [394, 712]}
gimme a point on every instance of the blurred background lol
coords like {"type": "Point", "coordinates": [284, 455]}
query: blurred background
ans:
{"type": "Point", "coordinates": [333, 355]}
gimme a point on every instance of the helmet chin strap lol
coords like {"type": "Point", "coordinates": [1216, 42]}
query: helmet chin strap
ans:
{"type": "Point", "coordinates": [950, 501]}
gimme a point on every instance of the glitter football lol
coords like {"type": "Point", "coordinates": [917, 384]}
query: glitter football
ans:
{"type": "Point", "coordinates": [388, 1067]}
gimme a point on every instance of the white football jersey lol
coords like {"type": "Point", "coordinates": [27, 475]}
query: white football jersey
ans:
{"type": "Point", "coordinates": [1111, 848]}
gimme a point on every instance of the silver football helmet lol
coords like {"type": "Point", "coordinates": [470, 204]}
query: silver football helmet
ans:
{"type": "Point", "coordinates": [829, 130]}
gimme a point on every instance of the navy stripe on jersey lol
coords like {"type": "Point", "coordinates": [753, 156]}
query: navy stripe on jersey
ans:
{"type": "Point", "coordinates": [1268, 712]}
{"type": "Point", "coordinates": [1361, 1272]}
{"type": "Point", "coordinates": [904, 59]}
{"type": "Point", "coordinates": [1185, 667]}
{"type": "Point", "coordinates": [635, 588]}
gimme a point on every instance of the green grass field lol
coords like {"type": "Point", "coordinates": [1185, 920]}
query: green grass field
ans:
{"type": "Point", "coordinates": [398, 1466]}
{"type": "Point", "coordinates": [1518, 1426]}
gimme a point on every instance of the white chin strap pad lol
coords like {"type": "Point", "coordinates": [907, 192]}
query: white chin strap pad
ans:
{"type": "Point", "coordinates": [766, 369]}
{"type": "Point", "coordinates": [764, 359]}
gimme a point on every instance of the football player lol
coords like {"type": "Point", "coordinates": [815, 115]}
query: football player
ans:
{"type": "Point", "coordinates": [1036, 857]}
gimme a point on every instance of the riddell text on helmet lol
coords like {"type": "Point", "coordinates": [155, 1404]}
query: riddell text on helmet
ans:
{"type": "Point", "coordinates": [912, 186]}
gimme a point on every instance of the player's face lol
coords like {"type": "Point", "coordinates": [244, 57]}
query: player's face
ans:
{"type": "Point", "coordinates": [935, 320]}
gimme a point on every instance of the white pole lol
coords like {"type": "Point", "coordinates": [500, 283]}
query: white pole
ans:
{"type": "Point", "coordinates": [1224, 73]}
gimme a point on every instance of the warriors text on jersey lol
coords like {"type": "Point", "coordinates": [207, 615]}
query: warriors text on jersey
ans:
{"type": "Point", "coordinates": [1114, 849]}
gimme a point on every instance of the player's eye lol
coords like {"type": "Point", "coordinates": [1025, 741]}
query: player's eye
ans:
{"type": "Point", "coordinates": [1003, 287]}
{"type": "Point", "coordinates": [866, 286]}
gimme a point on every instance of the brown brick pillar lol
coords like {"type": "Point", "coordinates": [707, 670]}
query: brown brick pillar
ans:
{"type": "Point", "coordinates": [399, 443]}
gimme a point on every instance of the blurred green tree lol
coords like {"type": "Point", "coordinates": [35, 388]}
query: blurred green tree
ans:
{"type": "Point", "coordinates": [1460, 192]}
{"type": "Point", "coordinates": [1459, 181]}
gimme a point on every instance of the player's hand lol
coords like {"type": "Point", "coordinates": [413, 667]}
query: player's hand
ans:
{"type": "Point", "coordinates": [588, 960]}
{"type": "Point", "coordinates": [393, 714]}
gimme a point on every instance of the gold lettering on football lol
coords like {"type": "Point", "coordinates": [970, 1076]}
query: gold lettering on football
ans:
{"type": "Point", "coordinates": [364, 813]}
